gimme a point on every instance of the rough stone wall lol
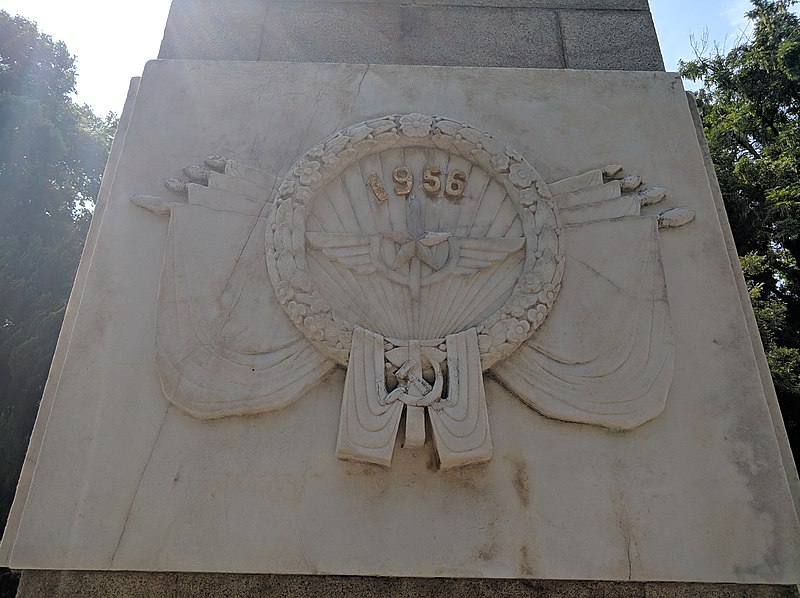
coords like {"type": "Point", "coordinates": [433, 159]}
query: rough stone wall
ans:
{"type": "Point", "coordinates": [79, 584]}
{"type": "Point", "coordinates": [573, 34]}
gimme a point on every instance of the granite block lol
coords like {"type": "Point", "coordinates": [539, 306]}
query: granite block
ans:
{"type": "Point", "coordinates": [610, 40]}
{"type": "Point", "coordinates": [593, 34]}
{"type": "Point", "coordinates": [467, 36]}
{"type": "Point", "coordinates": [209, 30]}
{"type": "Point", "coordinates": [80, 584]}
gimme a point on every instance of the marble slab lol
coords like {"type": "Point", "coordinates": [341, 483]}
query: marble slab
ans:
{"type": "Point", "coordinates": [139, 463]}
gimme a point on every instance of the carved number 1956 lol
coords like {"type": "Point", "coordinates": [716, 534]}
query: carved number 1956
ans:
{"type": "Point", "coordinates": [454, 186]}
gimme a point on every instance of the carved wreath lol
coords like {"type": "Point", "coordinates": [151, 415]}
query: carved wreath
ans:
{"type": "Point", "coordinates": [502, 332]}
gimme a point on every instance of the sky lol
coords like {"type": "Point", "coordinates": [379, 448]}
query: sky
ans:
{"type": "Point", "coordinates": [113, 39]}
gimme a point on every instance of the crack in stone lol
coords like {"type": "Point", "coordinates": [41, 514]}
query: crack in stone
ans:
{"type": "Point", "coordinates": [621, 291]}
{"type": "Point", "coordinates": [364, 76]}
{"type": "Point", "coordinates": [627, 533]}
{"type": "Point", "coordinates": [139, 485]}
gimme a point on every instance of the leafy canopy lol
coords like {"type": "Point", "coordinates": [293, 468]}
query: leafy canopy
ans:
{"type": "Point", "coordinates": [749, 104]}
{"type": "Point", "coordinates": [52, 155]}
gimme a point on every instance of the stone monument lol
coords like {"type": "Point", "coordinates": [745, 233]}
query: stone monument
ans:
{"type": "Point", "coordinates": [385, 299]}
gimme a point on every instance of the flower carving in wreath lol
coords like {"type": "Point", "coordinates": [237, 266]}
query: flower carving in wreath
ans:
{"type": "Point", "coordinates": [284, 291]}
{"type": "Point", "coordinates": [317, 303]}
{"type": "Point", "coordinates": [308, 172]}
{"type": "Point", "coordinates": [330, 159]}
{"type": "Point", "coordinates": [286, 188]}
{"type": "Point", "coordinates": [521, 175]}
{"type": "Point", "coordinates": [313, 329]}
{"type": "Point", "coordinates": [536, 316]}
{"type": "Point", "coordinates": [517, 330]}
{"type": "Point", "coordinates": [500, 162]}
{"type": "Point", "coordinates": [416, 125]}
{"type": "Point", "coordinates": [528, 198]}
{"type": "Point", "coordinates": [517, 308]}
{"type": "Point", "coordinates": [297, 311]}
{"type": "Point", "coordinates": [303, 194]}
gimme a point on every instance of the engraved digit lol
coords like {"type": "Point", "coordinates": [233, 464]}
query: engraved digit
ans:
{"type": "Point", "coordinates": [404, 179]}
{"type": "Point", "coordinates": [456, 183]}
{"type": "Point", "coordinates": [374, 183]}
{"type": "Point", "coordinates": [431, 183]}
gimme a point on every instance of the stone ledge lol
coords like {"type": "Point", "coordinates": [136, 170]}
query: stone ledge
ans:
{"type": "Point", "coordinates": [80, 584]}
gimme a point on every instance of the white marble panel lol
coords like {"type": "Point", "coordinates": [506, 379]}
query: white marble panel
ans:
{"type": "Point", "coordinates": [693, 490]}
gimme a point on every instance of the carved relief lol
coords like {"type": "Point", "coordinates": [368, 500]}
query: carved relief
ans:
{"type": "Point", "coordinates": [417, 252]}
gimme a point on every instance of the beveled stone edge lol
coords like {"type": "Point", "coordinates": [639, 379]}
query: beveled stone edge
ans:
{"type": "Point", "coordinates": [788, 462]}
{"type": "Point", "coordinates": [71, 313]}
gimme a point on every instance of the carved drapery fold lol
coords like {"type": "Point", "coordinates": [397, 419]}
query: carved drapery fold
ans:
{"type": "Point", "coordinates": [370, 417]}
{"type": "Point", "coordinates": [223, 345]}
{"type": "Point", "coordinates": [461, 425]}
{"type": "Point", "coordinates": [605, 355]}
{"type": "Point", "coordinates": [367, 426]}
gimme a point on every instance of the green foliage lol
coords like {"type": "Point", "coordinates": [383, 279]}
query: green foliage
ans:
{"type": "Point", "coordinates": [771, 315]}
{"type": "Point", "coordinates": [750, 103]}
{"type": "Point", "coordinates": [52, 155]}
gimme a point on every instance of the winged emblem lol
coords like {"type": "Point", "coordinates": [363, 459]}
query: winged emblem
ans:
{"type": "Point", "coordinates": [556, 288]}
{"type": "Point", "coordinates": [465, 257]}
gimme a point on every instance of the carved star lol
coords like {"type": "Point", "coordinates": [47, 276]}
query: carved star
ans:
{"type": "Point", "coordinates": [418, 246]}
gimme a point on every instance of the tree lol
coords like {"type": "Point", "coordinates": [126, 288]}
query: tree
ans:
{"type": "Point", "coordinates": [749, 104]}
{"type": "Point", "coordinates": [52, 155]}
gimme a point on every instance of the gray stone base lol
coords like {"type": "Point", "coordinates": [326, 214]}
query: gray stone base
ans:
{"type": "Point", "coordinates": [68, 584]}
